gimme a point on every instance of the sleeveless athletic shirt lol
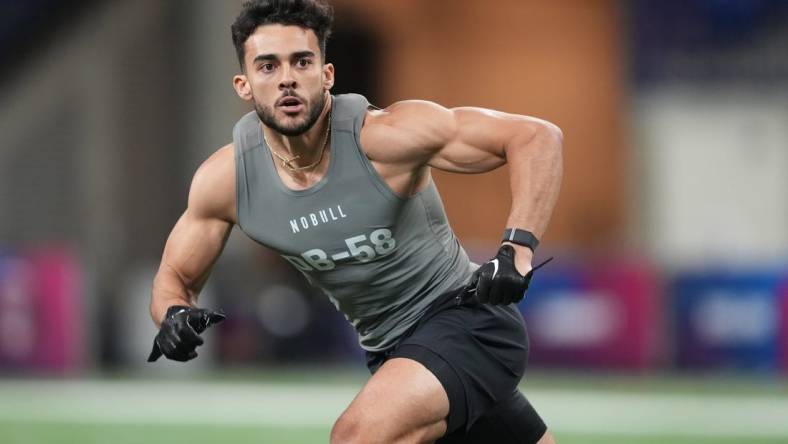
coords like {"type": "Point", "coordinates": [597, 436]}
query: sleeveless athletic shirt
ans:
{"type": "Point", "coordinates": [380, 258]}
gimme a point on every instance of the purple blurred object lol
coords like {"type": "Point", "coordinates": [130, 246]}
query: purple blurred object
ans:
{"type": "Point", "coordinates": [41, 312]}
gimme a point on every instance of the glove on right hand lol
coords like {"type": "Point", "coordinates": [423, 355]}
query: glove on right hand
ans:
{"type": "Point", "coordinates": [498, 282]}
{"type": "Point", "coordinates": [179, 334]}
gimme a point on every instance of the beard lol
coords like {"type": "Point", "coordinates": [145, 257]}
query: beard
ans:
{"type": "Point", "coordinates": [266, 115]}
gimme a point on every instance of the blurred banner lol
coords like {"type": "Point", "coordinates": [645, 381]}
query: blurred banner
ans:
{"type": "Point", "coordinates": [41, 312]}
{"type": "Point", "coordinates": [729, 319]}
{"type": "Point", "coordinates": [600, 314]}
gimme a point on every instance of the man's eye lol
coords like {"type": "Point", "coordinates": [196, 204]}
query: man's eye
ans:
{"type": "Point", "coordinates": [267, 67]}
{"type": "Point", "coordinates": [303, 62]}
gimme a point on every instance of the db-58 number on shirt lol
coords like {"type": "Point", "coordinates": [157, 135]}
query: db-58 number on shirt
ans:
{"type": "Point", "coordinates": [362, 249]}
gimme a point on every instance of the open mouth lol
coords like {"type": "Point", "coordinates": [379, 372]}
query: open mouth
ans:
{"type": "Point", "coordinates": [290, 105]}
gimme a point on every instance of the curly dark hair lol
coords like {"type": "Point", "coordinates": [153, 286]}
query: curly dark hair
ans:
{"type": "Point", "coordinates": [311, 14]}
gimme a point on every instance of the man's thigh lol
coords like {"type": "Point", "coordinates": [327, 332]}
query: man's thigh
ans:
{"type": "Point", "coordinates": [402, 402]}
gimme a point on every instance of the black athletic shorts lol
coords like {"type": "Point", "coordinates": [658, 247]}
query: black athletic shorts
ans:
{"type": "Point", "coordinates": [478, 352]}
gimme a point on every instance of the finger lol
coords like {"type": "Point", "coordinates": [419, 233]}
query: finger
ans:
{"type": "Point", "coordinates": [185, 346]}
{"type": "Point", "coordinates": [184, 355]}
{"type": "Point", "coordinates": [173, 346]}
{"type": "Point", "coordinates": [497, 292]}
{"type": "Point", "coordinates": [517, 293]}
{"type": "Point", "coordinates": [527, 280]}
{"type": "Point", "coordinates": [515, 289]}
{"type": "Point", "coordinates": [168, 348]}
{"type": "Point", "coordinates": [155, 353]}
{"type": "Point", "coordinates": [518, 289]}
{"type": "Point", "coordinates": [215, 317]}
{"type": "Point", "coordinates": [197, 321]}
{"type": "Point", "coordinates": [201, 319]}
{"type": "Point", "coordinates": [190, 337]}
{"type": "Point", "coordinates": [181, 356]}
{"type": "Point", "coordinates": [483, 289]}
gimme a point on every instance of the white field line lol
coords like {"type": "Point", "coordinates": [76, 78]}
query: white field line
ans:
{"type": "Point", "coordinates": [579, 411]}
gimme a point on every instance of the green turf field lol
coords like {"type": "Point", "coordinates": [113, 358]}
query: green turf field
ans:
{"type": "Point", "coordinates": [292, 407]}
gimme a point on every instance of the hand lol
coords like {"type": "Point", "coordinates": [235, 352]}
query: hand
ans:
{"type": "Point", "coordinates": [523, 256]}
{"type": "Point", "coordinates": [179, 334]}
{"type": "Point", "coordinates": [498, 281]}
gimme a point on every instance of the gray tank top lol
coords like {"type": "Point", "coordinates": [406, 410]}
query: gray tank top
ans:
{"type": "Point", "coordinates": [380, 258]}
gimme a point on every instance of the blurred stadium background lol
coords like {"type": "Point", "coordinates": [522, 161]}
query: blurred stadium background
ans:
{"type": "Point", "coordinates": [663, 320]}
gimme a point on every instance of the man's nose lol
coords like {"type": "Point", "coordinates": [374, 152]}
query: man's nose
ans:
{"type": "Point", "coordinates": [287, 81]}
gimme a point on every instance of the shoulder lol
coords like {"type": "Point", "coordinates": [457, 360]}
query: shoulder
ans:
{"type": "Point", "coordinates": [413, 118]}
{"type": "Point", "coordinates": [409, 128]}
{"type": "Point", "coordinates": [212, 192]}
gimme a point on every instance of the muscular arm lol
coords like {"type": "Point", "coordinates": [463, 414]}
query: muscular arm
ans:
{"type": "Point", "coordinates": [415, 134]}
{"type": "Point", "coordinates": [531, 147]}
{"type": "Point", "coordinates": [198, 237]}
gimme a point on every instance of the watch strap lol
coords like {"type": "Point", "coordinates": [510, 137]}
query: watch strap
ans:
{"type": "Point", "coordinates": [520, 237]}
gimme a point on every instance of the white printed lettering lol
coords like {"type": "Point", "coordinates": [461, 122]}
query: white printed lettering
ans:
{"type": "Point", "coordinates": [317, 217]}
{"type": "Point", "coordinates": [317, 259]}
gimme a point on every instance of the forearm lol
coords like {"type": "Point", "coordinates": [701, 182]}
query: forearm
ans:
{"type": "Point", "coordinates": [191, 250]}
{"type": "Point", "coordinates": [168, 290]}
{"type": "Point", "coordinates": [535, 168]}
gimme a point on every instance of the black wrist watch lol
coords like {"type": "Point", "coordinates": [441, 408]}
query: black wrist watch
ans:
{"type": "Point", "coordinates": [520, 237]}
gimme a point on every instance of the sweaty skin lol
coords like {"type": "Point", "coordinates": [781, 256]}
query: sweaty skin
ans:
{"type": "Point", "coordinates": [403, 142]}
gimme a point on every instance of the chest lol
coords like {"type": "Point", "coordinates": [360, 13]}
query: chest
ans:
{"type": "Point", "coordinates": [344, 219]}
{"type": "Point", "coordinates": [402, 180]}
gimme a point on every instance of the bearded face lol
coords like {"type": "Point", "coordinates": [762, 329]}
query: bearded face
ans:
{"type": "Point", "coordinates": [291, 115]}
{"type": "Point", "coordinates": [285, 78]}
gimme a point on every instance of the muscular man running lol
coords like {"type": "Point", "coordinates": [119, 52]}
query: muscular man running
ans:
{"type": "Point", "coordinates": [343, 191]}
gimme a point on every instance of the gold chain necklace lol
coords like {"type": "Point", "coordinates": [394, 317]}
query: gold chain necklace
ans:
{"type": "Point", "coordinates": [287, 163]}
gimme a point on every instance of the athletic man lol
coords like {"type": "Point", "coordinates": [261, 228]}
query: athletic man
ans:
{"type": "Point", "coordinates": [343, 191]}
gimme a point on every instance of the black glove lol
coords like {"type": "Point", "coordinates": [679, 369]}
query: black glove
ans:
{"type": "Point", "coordinates": [180, 330]}
{"type": "Point", "coordinates": [497, 281]}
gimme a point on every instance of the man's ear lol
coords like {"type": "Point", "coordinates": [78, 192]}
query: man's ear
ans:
{"type": "Point", "coordinates": [328, 76]}
{"type": "Point", "coordinates": [242, 88]}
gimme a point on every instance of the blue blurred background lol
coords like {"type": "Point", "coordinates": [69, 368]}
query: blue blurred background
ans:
{"type": "Point", "coordinates": [671, 234]}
